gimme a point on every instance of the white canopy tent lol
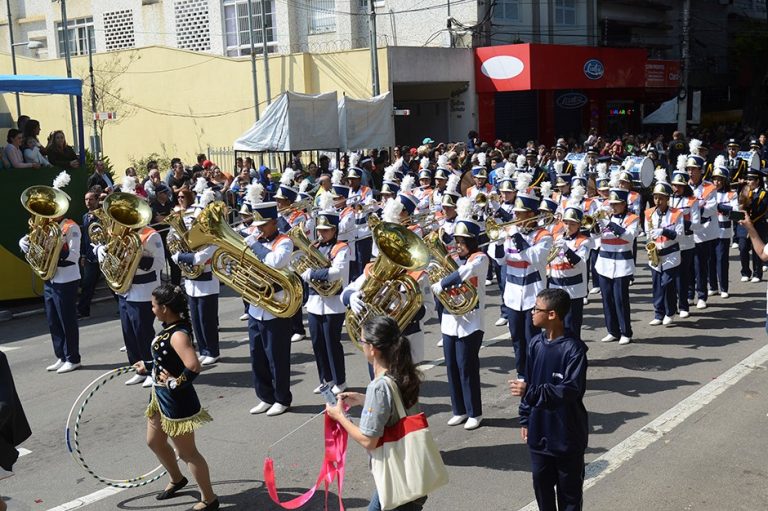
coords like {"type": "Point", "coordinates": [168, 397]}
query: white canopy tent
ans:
{"type": "Point", "coordinates": [667, 112]}
{"type": "Point", "coordinates": [294, 122]}
{"type": "Point", "coordinates": [366, 123]}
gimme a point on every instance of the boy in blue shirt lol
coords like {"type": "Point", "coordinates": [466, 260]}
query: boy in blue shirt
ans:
{"type": "Point", "coordinates": [552, 415]}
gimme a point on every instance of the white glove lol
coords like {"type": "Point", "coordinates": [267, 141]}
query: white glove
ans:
{"type": "Point", "coordinates": [251, 239]}
{"type": "Point", "coordinates": [436, 288]}
{"type": "Point", "coordinates": [24, 244]}
{"type": "Point", "coordinates": [175, 258]}
{"type": "Point", "coordinates": [355, 303]}
{"type": "Point", "coordinates": [306, 274]}
{"type": "Point", "coordinates": [101, 252]}
{"type": "Point", "coordinates": [655, 233]}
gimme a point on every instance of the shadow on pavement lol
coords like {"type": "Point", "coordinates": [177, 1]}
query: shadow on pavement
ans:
{"type": "Point", "coordinates": [604, 423]}
{"type": "Point", "coordinates": [649, 363]}
{"type": "Point", "coordinates": [634, 386]}
{"type": "Point", "coordinates": [505, 456]}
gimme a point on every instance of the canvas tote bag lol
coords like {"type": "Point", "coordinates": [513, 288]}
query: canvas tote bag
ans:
{"type": "Point", "coordinates": [406, 463]}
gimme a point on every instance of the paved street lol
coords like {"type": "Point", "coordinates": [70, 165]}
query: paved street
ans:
{"type": "Point", "coordinates": [713, 459]}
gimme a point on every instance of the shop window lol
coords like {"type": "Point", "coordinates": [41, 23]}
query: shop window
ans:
{"type": "Point", "coordinates": [507, 10]}
{"type": "Point", "coordinates": [565, 12]}
{"type": "Point", "coordinates": [238, 37]}
{"type": "Point", "coordinates": [79, 34]}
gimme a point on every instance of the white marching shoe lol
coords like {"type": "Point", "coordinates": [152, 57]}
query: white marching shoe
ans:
{"type": "Point", "coordinates": [276, 409]}
{"type": "Point", "coordinates": [755, 280]}
{"type": "Point", "coordinates": [701, 304]}
{"type": "Point", "coordinates": [667, 320]}
{"type": "Point", "coordinates": [338, 389]}
{"type": "Point", "coordinates": [501, 322]}
{"type": "Point", "coordinates": [55, 366]}
{"type": "Point", "coordinates": [319, 388]}
{"type": "Point", "coordinates": [608, 338]}
{"type": "Point", "coordinates": [745, 279]}
{"type": "Point", "coordinates": [440, 343]}
{"type": "Point", "coordinates": [684, 314]}
{"type": "Point", "coordinates": [488, 282]}
{"type": "Point", "coordinates": [594, 290]}
{"type": "Point", "coordinates": [123, 349]}
{"type": "Point", "coordinates": [148, 381]}
{"type": "Point", "coordinates": [297, 337]}
{"type": "Point", "coordinates": [734, 245]}
{"type": "Point", "coordinates": [711, 292]}
{"type": "Point", "coordinates": [473, 423]}
{"type": "Point", "coordinates": [260, 408]}
{"type": "Point", "coordinates": [724, 294]}
{"type": "Point", "coordinates": [206, 361]}
{"type": "Point", "coordinates": [456, 420]}
{"type": "Point", "coordinates": [67, 367]}
{"type": "Point", "coordinates": [654, 322]}
{"type": "Point", "coordinates": [624, 340]}
{"type": "Point", "coordinates": [135, 379]}
{"type": "Point", "coordinates": [244, 317]}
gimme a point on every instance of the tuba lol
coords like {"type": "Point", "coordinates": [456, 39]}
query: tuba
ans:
{"type": "Point", "coordinates": [460, 300]}
{"type": "Point", "coordinates": [126, 214]}
{"type": "Point", "coordinates": [311, 258]}
{"type": "Point", "coordinates": [97, 231]}
{"type": "Point", "coordinates": [236, 266]}
{"type": "Point", "coordinates": [177, 242]}
{"type": "Point", "coordinates": [45, 236]}
{"type": "Point", "coordinates": [400, 251]}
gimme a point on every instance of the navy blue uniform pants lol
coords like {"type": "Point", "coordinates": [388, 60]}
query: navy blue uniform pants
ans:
{"type": "Point", "coordinates": [747, 254]}
{"type": "Point", "coordinates": [363, 250]}
{"type": "Point", "coordinates": [501, 278]}
{"type": "Point", "coordinates": [91, 273]}
{"type": "Point", "coordinates": [326, 343]}
{"type": "Point", "coordinates": [575, 317]}
{"type": "Point", "coordinates": [664, 292]}
{"type": "Point", "coordinates": [297, 320]}
{"type": "Point", "coordinates": [271, 359]}
{"type": "Point", "coordinates": [702, 254]}
{"type": "Point", "coordinates": [683, 278]}
{"type": "Point", "coordinates": [718, 265]}
{"type": "Point", "coordinates": [593, 271]}
{"type": "Point", "coordinates": [521, 330]}
{"type": "Point", "coordinates": [615, 295]}
{"type": "Point", "coordinates": [462, 361]}
{"type": "Point", "coordinates": [60, 311]}
{"type": "Point", "coordinates": [137, 322]}
{"type": "Point", "coordinates": [204, 313]}
{"type": "Point", "coordinates": [564, 473]}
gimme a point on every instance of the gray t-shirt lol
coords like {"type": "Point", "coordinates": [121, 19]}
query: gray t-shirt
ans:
{"type": "Point", "coordinates": [379, 409]}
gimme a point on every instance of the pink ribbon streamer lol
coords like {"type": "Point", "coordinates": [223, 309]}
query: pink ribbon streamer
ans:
{"type": "Point", "coordinates": [333, 468]}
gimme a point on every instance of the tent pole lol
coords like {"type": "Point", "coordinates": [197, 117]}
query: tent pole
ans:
{"type": "Point", "coordinates": [80, 130]}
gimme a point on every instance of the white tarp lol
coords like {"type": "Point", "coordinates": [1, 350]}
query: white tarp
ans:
{"type": "Point", "coordinates": [366, 123]}
{"type": "Point", "coordinates": [667, 112]}
{"type": "Point", "coordinates": [294, 122]}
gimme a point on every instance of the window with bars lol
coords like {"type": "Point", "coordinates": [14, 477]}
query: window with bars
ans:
{"type": "Point", "coordinates": [237, 38]}
{"type": "Point", "coordinates": [118, 30]}
{"type": "Point", "coordinates": [79, 32]}
{"type": "Point", "coordinates": [193, 25]}
{"type": "Point", "coordinates": [322, 16]}
{"type": "Point", "coordinates": [565, 12]}
{"type": "Point", "coordinates": [507, 10]}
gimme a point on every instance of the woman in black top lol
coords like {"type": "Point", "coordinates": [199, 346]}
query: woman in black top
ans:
{"type": "Point", "coordinates": [174, 410]}
{"type": "Point", "coordinates": [59, 153]}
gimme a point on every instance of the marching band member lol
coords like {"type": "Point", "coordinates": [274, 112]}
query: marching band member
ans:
{"type": "Point", "coordinates": [563, 184]}
{"type": "Point", "coordinates": [253, 195]}
{"type": "Point", "coordinates": [447, 226]}
{"type": "Point", "coordinates": [363, 243]}
{"type": "Point", "coordinates": [505, 213]}
{"type": "Point", "coordinates": [424, 191]}
{"type": "Point", "coordinates": [699, 148]}
{"type": "Point", "coordinates": [441, 181]}
{"type": "Point", "coordinates": [756, 147]}
{"type": "Point", "coordinates": [568, 268]}
{"type": "Point", "coordinates": [755, 200]}
{"type": "Point", "coordinates": [538, 174]}
{"type": "Point", "coordinates": [559, 162]}
{"type": "Point", "coordinates": [664, 226]}
{"type": "Point", "coordinates": [548, 205]}
{"type": "Point", "coordinates": [326, 313]}
{"type": "Point", "coordinates": [603, 185]}
{"type": "Point", "coordinates": [463, 335]}
{"type": "Point", "coordinates": [347, 229]}
{"type": "Point", "coordinates": [269, 336]}
{"type": "Point", "coordinates": [737, 167]}
{"type": "Point", "coordinates": [727, 201]}
{"type": "Point", "coordinates": [684, 201]}
{"type": "Point", "coordinates": [524, 256]}
{"type": "Point", "coordinates": [591, 160]}
{"type": "Point", "coordinates": [288, 218]}
{"type": "Point", "coordinates": [480, 177]}
{"type": "Point", "coordinates": [705, 193]}
{"type": "Point", "coordinates": [202, 293]}
{"type": "Point", "coordinates": [615, 266]}
{"type": "Point", "coordinates": [60, 292]}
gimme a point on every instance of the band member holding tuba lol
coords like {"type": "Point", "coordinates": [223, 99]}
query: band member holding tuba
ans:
{"type": "Point", "coordinates": [361, 196]}
{"type": "Point", "coordinates": [568, 261]}
{"type": "Point", "coordinates": [270, 336]}
{"type": "Point", "coordinates": [615, 266]}
{"type": "Point", "coordinates": [463, 335]}
{"type": "Point", "coordinates": [326, 313]}
{"type": "Point", "coordinates": [664, 226]}
{"type": "Point", "coordinates": [524, 257]}
{"type": "Point", "coordinates": [62, 273]}
{"type": "Point", "coordinates": [727, 201]}
{"type": "Point", "coordinates": [202, 290]}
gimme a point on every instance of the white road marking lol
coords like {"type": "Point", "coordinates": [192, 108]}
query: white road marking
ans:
{"type": "Point", "coordinates": [666, 422]}
{"type": "Point", "coordinates": [88, 499]}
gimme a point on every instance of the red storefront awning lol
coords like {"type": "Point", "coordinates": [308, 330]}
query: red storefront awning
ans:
{"type": "Point", "coordinates": [520, 67]}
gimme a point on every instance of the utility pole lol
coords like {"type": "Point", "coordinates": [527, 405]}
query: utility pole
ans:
{"type": "Point", "coordinates": [449, 26]}
{"type": "Point", "coordinates": [265, 53]}
{"type": "Point", "coordinates": [374, 50]}
{"type": "Point", "coordinates": [68, 61]}
{"type": "Point", "coordinates": [95, 139]}
{"type": "Point", "coordinates": [13, 53]}
{"type": "Point", "coordinates": [253, 59]}
{"type": "Point", "coordinates": [682, 95]}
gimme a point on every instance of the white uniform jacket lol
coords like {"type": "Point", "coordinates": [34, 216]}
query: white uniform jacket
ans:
{"type": "Point", "coordinates": [277, 255]}
{"type": "Point", "coordinates": [667, 246]}
{"type": "Point", "coordinates": [525, 266]}
{"type": "Point", "coordinates": [473, 271]}
{"type": "Point", "coordinates": [338, 254]}
{"type": "Point", "coordinates": [615, 256]}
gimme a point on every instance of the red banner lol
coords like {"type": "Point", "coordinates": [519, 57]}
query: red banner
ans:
{"type": "Point", "coordinates": [520, 67]}
{"type": "Point", "coordinates": [662, 74]}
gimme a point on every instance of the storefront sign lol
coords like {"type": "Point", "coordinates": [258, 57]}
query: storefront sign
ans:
{"type": "Point", "coordinates": [571, 100]}
{"type": "Point", "coordinates": [662, 74]}
{"type": "Point", "coordinates": [593, 69]}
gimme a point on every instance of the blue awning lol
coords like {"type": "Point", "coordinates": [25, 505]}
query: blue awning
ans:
{"type": "Point", "coordinates": [41, 84]}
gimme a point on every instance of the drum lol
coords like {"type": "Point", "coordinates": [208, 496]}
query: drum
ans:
{"type": "Point", "coordinates": [642, 170]}
{"type": "Point", "coordinates": [752, 159]}
{"type": "Point", "coordinates": [575, 158]}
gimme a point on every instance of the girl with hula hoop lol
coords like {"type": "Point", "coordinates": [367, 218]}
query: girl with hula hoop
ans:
{"type": "Point", "coordinates": [174, 409]}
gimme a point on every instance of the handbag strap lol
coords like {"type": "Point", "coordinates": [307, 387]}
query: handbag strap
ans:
{"type": "Point", "coordinates": [396, 397]}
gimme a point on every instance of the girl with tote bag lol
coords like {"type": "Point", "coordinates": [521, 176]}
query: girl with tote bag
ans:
{"type": "Point", "coordinates": [405, 461]}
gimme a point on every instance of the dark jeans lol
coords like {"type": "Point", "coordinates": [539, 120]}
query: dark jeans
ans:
{"type": "Point", "coordinates": [416, 505]}
{"type": "Point", "coordinates": [91, 273]}
{"type": "Point", "coordinates": [561, 472]}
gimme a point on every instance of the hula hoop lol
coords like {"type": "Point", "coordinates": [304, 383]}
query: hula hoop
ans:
{"type": "Point", "coordinates": [73, 443]}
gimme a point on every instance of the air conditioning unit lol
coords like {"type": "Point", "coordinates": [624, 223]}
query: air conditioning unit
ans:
{"type": "Point", "coordinates": [149, 2]}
